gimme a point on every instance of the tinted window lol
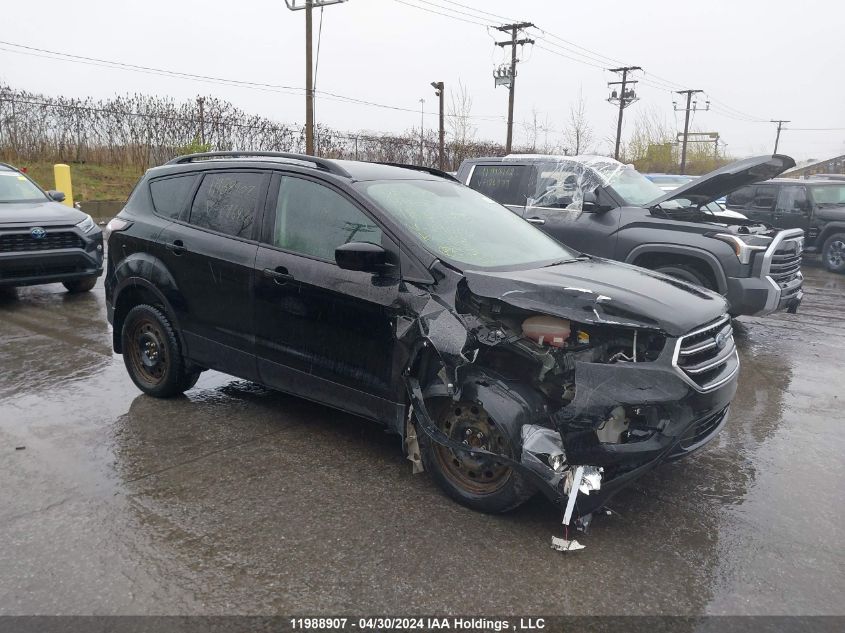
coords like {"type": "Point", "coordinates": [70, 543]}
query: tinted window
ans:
{"type": "Point", "coordinates": [314, 220]}
{"type": "Point", "coordinates": [500, 182]}
{"type": "Point", "coordinates": [764, 197]}
{"type": "Point", "coordinates": [171, 194]}
{"type": "Point", "coordinates": [741, 197]}
{"type": "Point", "coordinates": [226, 202]}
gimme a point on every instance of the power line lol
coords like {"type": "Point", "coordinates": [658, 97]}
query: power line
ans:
{"type": "Point", "coordinates": [454, 17]}
{"type": "Point", "coordinates": [251, 85]}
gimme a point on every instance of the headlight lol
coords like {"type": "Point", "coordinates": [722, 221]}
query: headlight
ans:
{"type": "Point", "coordinates": [744, 245]}
{"type": "Point", "coordinates": [87, 225]}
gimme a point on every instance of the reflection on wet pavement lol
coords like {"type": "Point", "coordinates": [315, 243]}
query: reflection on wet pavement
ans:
{"type": "Point", "coordinates": [236, 499]}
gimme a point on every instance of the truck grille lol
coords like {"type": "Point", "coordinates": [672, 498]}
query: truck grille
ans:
{"type": "Point", "coordinates": [707, 357]}
{"type": "Point", "coordinates": [786, 261]}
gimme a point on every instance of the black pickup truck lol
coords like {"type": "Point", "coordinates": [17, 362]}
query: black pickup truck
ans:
{"type": "Point", "coordinates": [602, 207]}
{"type": "Point", "coordinates": [815, 206]}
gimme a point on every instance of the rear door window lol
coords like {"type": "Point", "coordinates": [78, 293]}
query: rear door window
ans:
{"type": "Point", "coordinates": [500, 182]}
{"type": "Point", "coordinates": [170, 195]}
{"type": "Point", "coordinates": [227, 202]}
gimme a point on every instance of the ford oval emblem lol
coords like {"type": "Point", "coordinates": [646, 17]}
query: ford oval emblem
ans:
{"type": "Point", "coordinates": [722, 338]}
{"type": "Point", "coordinates": [38, 233]}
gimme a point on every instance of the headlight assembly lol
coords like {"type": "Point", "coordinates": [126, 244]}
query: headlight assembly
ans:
{"type": "Point", "coordinates": [744, 245]}
{"type": "Point", "coordinates": [87, 225]}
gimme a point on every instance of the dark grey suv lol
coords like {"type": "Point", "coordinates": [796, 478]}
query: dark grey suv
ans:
{"type": "Point", "coordinates": [43, 241]}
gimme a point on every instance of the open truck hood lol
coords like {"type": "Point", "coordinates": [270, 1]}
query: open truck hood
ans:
{"type": "Point", "coordinates": [729, 178]}
{"type": "Point", "coordinates": [599, 291]}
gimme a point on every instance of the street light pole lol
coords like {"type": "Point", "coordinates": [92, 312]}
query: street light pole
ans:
{"type": "Point", "coordinates": [441, 159]}
{"type": "Point", "coordinates": [422, 124]}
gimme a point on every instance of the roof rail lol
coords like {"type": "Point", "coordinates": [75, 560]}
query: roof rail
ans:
{"type": "Point", "coordinates": [319, 163]}
{"type": "Point", "coordinates": [428, 170]}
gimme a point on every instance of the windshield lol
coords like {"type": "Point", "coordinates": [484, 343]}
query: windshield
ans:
{"type": "Point", "coordinates": [463, 226]}
{"type": "Point", "coordinates": [634, 188]}
{"type": "Point", "coordinates": [15, 187]}
{"type": "Point", "coordinates": [829, 194]}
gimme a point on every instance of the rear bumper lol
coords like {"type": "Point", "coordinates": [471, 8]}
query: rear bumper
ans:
{"type": "Point", "coordinates": [29, 268]}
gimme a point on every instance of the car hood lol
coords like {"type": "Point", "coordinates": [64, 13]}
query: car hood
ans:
{"type": "Point", "coordinates": [594, 290]}
{"type": "Point", "coordinates": [729, 178]}
{"type": "Point", "coordinates": [39, 213]}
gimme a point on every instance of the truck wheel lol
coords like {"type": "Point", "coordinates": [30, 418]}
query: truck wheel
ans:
{"type": "Point", "coordinates": [80, 285]}
{"type": "Point", "coordinates": [152, 355]}
{"type": "Point", "coordinates": [833, 253]}
{"type": "Point", "coordinates": [684, 273]}
{"type": "Point", "coordinates": [476, 482]}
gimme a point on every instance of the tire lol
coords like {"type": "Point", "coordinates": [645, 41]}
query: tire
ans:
{"type": "Point", "coordinates": [833, 253]}
{"type": "Point", "coordinates": [495, 488]}
{"type": "Point", "coordinates": [152, 354]}
{"type": "Point", "coordinates": [684, 273]}
{"type": "Point", "coordinates": [80, 285]}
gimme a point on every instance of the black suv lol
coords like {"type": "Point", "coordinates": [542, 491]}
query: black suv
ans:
{"type": "Point", "coordinates": [43, 241]}
{"type": "Point", "coordinates": [506, 361]}
{"type": "Point", "coordinates": [815, 206]}
{"type": "Point", "coordinates": [602, 207]}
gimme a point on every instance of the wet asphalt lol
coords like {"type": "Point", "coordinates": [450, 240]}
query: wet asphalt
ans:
{"type": "Point", "coordinates": [238, 500]}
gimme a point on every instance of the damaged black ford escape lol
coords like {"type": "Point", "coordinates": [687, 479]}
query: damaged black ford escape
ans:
{"type": "Point", "coordinates": [507, 362]}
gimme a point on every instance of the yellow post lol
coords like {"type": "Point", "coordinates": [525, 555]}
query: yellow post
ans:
{"type": "Point", "coordinates": [62, 176]}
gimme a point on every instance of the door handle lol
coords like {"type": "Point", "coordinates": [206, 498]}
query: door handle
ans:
{"type": "Point", "coordinates": [177, 247]}
{"type": "Point", "coordinates": [279, 274]}
{"type": "Point", "coordinates": [535, 220]}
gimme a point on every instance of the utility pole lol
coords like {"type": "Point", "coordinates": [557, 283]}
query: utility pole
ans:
{"type": "Point", "coordinates": [422, 124]}
{"type": "Point", "coordinates": [309, 6]}
{"type": "Point", "coordinates": [625, 97]}
{"type": "Point", "coordinates": [513, 29]}
{"type": "Point", "coordinates": [780, 123]}
{"type": "Point", "coordinates": [438, 90]}
{"type": "Point", "coordinates": [691, 107]}
{"type": "Point", "coordinates": [201, 104]}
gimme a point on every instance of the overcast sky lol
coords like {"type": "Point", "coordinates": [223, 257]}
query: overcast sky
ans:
{"type": "Point", "coordinates": [755, 59]}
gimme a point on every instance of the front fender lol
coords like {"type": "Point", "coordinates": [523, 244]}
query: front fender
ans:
{"type": "Point", "coordinates": [708, 258]}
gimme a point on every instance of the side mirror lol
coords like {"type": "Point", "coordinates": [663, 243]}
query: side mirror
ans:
{"type": "Point", "coordinates": [591, 203]}
{"type": "Point", "coordinates": [363, 256]}
{"type": "Point", "coordinates": [58, 196]}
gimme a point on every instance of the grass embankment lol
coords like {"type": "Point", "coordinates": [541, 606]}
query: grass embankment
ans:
{"type": "Point", "coordinates": [90, 181]}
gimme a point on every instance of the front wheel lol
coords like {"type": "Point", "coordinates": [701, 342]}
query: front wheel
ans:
{"type": "Point", "coordinates": [152, 355]}
{"type": "Point", "coordinates": [480, 483]}
{"type": "Point", "coordinates": [833, 253]}
{"type": "Point", "coordinates": [80, 285]}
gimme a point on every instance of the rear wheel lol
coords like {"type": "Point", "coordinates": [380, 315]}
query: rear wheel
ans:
{"type": "Point", "coordinates": [80, 285]}
{"type": "Point", "coordinates": [833, 253]}
{"type": "Point", "coordinates": [684, 273]}
{"type": "Point", "coordinates": [478, 482]}
{"type": "Point", "coordinates": [152, 355]}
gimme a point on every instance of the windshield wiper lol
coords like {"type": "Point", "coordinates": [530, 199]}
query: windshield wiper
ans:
{"type": "Point", "coordinates": [580, 258]}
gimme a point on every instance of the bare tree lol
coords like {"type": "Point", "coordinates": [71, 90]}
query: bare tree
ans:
{"type": "Point", "coordinates": [579, 134]}
{"type": "Point", "coordinates": [459, 122]}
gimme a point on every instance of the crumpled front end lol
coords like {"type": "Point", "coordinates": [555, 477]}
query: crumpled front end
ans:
{"type": "Point", "coordinates": [607, 400]}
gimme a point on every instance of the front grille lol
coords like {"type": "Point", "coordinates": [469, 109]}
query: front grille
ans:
{"type": "Point", "coordinates": [786, 261]}
{"type": "Point", "coordinates": [707, 357]}
{"type": "Point", "coordinates": [24, 242]}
